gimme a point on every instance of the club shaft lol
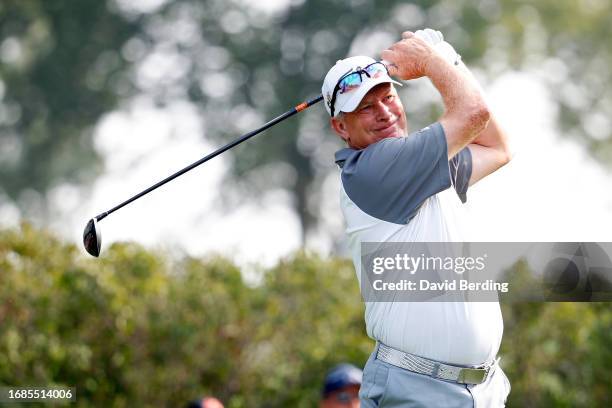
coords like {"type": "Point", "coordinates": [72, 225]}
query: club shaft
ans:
{"type": "Point", "coordinates": [217, 152]}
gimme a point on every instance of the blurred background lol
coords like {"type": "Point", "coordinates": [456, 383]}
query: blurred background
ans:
{"type": "Point", "coordinates": [232, 280]}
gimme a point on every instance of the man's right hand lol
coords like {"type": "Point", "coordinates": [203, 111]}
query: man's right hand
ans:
{"type": "Point", "coordinates": [408, 59]}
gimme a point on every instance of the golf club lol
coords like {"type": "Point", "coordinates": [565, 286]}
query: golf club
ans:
{"type": "Point", "coordinates": [92, 236]}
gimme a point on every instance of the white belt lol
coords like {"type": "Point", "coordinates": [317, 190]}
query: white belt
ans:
{"type": "Point", "coordinates": [432, 368]}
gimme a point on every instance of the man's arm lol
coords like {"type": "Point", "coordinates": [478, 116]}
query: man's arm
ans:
{"type": "Point", "coordinates": [488, 144]}
{"type": "Point", "coordinates": [466, 113]}
{"type": "Point", "coordinates": [490, 149]}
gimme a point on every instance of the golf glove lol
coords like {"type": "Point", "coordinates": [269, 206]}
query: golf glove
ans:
{"type": "Point", "coordinates": [436, 40]}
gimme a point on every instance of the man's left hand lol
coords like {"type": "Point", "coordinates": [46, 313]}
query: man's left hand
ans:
{"type": "Point", "coordinates": [436, 40]}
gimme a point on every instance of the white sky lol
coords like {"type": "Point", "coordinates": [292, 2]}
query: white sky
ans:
{"type": "Point", "coordinates": [551, 191]}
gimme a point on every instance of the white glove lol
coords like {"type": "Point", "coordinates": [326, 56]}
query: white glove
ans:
{"type": "Point", "coordinates": [436, 40]}
{"type": "Point", "coordinates": [430, 36]}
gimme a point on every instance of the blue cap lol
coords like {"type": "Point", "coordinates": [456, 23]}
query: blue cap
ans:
{"type": "Point", "coordinates": [341, 376]}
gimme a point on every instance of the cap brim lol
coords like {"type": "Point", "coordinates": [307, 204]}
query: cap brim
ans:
{"type": "Point", "coordinates": [352, 103]}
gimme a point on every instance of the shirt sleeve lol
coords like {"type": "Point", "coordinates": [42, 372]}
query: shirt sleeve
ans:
{"type": "Point", "coordinates": [390, 179]}
{"type": "Point", "coordinates": [460, 172]}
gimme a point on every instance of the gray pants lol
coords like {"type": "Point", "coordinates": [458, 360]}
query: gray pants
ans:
{"type": "Point", "coordinates": [387, 386]}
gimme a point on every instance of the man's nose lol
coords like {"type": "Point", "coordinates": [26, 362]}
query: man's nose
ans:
{"type": "Point", "coordinates": [383, 113]}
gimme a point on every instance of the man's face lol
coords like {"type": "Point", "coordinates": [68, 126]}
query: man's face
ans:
{"type": "Point", "coordinates": [347, 397]}
{"type": "Point", "coordinates": [379, 115]}
{"type": "Point", "coordinates": [211, 403]}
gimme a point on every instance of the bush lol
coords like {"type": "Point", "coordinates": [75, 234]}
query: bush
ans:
{"type": "Point", "coordinates": [137, 328]}
{"type": "Point", "coordinates": [140, 328]}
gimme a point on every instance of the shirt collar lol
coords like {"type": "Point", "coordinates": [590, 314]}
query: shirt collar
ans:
{"type": "Point", "coordinates": [343, 154]}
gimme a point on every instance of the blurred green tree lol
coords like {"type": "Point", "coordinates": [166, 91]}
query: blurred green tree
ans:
{"type": "Point", "coordinates": [62, 65]}
{"type": "Point", "coordinates": [274, 60]}
{"type": "Point", "coordinates": [61, 68]}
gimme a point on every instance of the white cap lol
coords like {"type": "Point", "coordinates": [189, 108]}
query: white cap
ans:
{"type": "Point", "coordinates": [349, 101]}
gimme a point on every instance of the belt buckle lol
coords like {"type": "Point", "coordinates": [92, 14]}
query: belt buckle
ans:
{"type": "Point", "coordinates": [473, 375]}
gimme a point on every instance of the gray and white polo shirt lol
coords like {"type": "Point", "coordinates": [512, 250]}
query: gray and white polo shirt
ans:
{"type": "Point", "coordinates": [397, 190]}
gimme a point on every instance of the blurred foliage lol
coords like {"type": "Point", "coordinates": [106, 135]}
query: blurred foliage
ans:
{"type": "Point", "coordinates": [558, 354]}
{"type": "Point", "coordinates": [140, 328]}
{"type": "Point", "coordinates": [555, 354]}
{"type": "Point", "coordinates": [63, 64]}
{"type": "Point", "coordinates": [60, 70]}
{"type": "Point", "coordinates": [136, 328]}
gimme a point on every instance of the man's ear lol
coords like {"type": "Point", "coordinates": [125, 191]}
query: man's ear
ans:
{"type": "Point", "coordinates": [339, 127]}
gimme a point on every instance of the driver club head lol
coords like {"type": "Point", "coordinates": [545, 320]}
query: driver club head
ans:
{"type": "Point", "coordinates": [92, 238]}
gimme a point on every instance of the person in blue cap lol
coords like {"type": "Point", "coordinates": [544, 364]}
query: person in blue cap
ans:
{"type": "Point", "coordinates": [341, 387]}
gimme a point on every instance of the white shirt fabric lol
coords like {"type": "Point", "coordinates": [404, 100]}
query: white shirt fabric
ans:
{"type": "Point", "coordinates": [461, 333]}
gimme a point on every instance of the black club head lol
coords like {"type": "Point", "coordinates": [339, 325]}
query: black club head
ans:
{"type": "Point", "coordinates": [92, 238]}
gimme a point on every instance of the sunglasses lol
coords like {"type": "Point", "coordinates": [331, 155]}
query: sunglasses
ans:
{"type": "Point", "coordinates": [353, 79]}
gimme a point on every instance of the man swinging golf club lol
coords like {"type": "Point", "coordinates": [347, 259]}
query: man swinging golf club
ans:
{"type": "Point", "coordinates": [427, 354]}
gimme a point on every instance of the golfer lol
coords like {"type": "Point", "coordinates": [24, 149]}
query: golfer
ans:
{"type": "Point", "coordinates": [402, 187]}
